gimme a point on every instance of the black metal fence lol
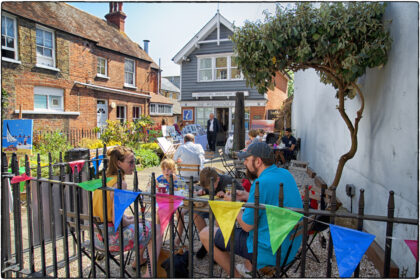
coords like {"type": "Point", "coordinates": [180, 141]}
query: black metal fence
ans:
{"type": "Point", "coordinates": [49, 200]}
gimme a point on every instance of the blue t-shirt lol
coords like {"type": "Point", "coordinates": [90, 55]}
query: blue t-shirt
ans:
{"type": "Point", "coordinates": [177, 183]}
{"type": "Point", "coordinates": [269, 186]}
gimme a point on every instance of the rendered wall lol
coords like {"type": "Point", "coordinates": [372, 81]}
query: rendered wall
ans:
{"type": "Point", "coordinates": [387, 155]}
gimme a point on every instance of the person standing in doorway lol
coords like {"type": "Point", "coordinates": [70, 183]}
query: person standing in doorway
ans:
{"type": "Point", "coordinates": [213, 127]}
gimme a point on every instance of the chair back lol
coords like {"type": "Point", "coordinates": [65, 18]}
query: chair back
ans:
{"type": "Point", "coordinates": [192, 169]}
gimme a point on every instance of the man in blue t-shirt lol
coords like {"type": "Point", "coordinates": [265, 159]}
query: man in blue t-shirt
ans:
{"type": "Point", "coordinates": [259, 162]}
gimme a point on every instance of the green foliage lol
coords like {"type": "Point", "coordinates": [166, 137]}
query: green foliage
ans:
{"type": "Point", "coordinates": [291, 84]}
{"type": "Point", "coordinates": [4, 102]}
{"type": "Point", "coordinates": [151, 146]}
{"type": "Point", "coordinates": [54, 142]}
{"type": "Point", "coordinates": [339, 40]}
{"type": "Point", "coordinates": [147, 158]}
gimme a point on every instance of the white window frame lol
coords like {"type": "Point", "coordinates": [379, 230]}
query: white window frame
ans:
{"type": "Point", "coordinates": [160, 109]}
{"type": "Point", "coordinates": [125, 113]}
{"type": "Point", "coordinates": [49, 92]}
{"type": "Point", "coordinates": [15, 49]}
{"type": "Point", "coordinates": [98, 74]}
{"type": "Point", "coordinates": [139, 116]}
{"type": "Point", "coordinates": [41, 60]}
{"type": "Point", "coordinates": [213, 67]}
{"type": "Point", "coordinates": [133, 85]}
{"type": "Point", "coordinates": [206, 111]}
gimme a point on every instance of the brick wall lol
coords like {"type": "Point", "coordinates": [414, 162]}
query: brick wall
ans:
{"type": "Point", "coordinates": [278, 94]}
{"type": "Point", "coordinates": [77, 60]}
{"type": "Point", "coordinates": [256, 112]}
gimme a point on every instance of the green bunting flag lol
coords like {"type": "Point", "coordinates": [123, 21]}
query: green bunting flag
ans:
{"type": "Point", "coordinates": [93, 184]}
{"type": "Point", "coordinates": [280, 222]}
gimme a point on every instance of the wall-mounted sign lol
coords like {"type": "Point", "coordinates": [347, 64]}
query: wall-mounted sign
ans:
{"type": "Point", "coordinates": [273, 114]}
{"type": "Point", "coordinates": [267, 125]}
{"type": "Point", "coordinates": [17, 136]}
{"type": "Point", "coordinates": [187, 114]}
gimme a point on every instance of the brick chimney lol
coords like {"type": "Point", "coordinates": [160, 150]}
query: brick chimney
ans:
{"type": "Point", "coordinates": [116, 16]}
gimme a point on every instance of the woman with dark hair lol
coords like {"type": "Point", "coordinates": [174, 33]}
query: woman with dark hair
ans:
{"type": "Point", "coordinates": [122, 158]}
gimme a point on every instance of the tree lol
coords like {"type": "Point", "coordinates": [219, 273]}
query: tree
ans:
{"type": "Point", "coordinates": [338, 40]}
{"type": "Point", "coordinates": [291, 84]}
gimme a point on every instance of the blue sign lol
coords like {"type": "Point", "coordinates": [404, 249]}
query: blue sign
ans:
{"type": "Point", "coordinates": [17, 136]}
{"type": "Point", "coordinates": [187, 114]}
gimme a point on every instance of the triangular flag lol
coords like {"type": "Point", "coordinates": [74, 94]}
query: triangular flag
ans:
{"type": "Point", "coordinates": [225, 213]}
{"type": "Point", "coordinates": [122, 199]}
{"type": "Point", "coordinates": [78, 163]}
{"type": "Point", "coordinates": [93, 184]}
{"type": "Point", "coordinates": [98, 161]}
{"type": "Point", "coordinates": [167, 205]}
{"type": "Point", "coordinates": [413, 245]}
{"type": "Point", "coordinates": [349, 246]}
{"type": "Point", "coordinates": [21, 178]}
{"type": "Point", "coordinates": [280, 222]}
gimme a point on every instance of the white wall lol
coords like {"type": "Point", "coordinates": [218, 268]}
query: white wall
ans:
{"type": "Point", "coordinates": [387, 155]}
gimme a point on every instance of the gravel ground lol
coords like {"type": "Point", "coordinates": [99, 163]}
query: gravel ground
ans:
{"type": "Point", "coordinates": [313, 269]}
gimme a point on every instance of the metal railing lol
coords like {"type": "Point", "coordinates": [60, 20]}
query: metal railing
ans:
{"type": "Point", "coordinates": [20, 262]}
{"type": "Point", "coordinates": [73, 136]}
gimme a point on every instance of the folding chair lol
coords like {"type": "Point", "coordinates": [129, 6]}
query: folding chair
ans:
{"type": "Point", "coordinates": [167, 147]}
{"type": "Point", "coordinates": [194, 169]}
{"type": "Point", "coordinates": [86, 247]}
{"type": "Point", "coordinates": [228, 166]}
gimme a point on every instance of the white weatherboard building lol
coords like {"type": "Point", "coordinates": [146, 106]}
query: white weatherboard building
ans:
{"type": "Point", "coordinates": [387, 155]}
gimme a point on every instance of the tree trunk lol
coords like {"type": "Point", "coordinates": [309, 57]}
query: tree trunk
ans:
{"type": "Point", "coordinates": [239, 129]}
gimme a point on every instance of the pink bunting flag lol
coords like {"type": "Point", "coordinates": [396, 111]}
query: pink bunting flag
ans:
{"type": "Point", "coordinates": [78, 163]}
{"type": "Point", "coordinates": [167, 205]}
{"type": "Point", "coordinates": [413, 245]}
{"type": "Point", "coordinates": [21, 178]}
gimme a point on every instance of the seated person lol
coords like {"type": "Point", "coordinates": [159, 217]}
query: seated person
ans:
{"type": "Point", "coordinates": [220, 183]}
{"type": "Point", "coordinates": [290, 143]}
{"type": "Point", "coordinates": [190, 153]}
{"type": "Point", "coordinates": [122, 158]}
{"type": "Point", "coordinates": [259, 161]}
{"type": "Point", "coordinates": [169, 168]}
{"type": "Point", "coordinates": [252, 134]}
{"type": "Point", "coordinates": [261, 134]}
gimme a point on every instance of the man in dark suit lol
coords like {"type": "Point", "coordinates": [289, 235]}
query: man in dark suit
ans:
{"type": "Point", "coordinates": [213, 127]}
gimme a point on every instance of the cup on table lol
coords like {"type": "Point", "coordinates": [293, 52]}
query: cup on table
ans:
{"type": "Point", "coordinates": [161, 188]}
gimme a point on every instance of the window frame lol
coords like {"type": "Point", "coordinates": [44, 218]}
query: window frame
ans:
{"type": "Point", "coordinates": [161, 109]}
{"type": "Point", "coordinates": [133, 73]}
{"type": "Point", "coordinates": [105, 75]}
{"type": "Point", "coordinates": [139, 113]}
{"type": "Point", "coordinates": [40, 57]}
{"type": "Point", "coordinates": [124, 119]}
{"type": "Point", "coordinates": [214, 69]}
{"type": "Point", "coordinates": [48, 91]}
{"type": "Point", "coordinates": [16, 45]}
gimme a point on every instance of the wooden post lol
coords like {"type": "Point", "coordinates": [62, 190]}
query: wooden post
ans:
{"type": "Point", "coordinates": [20, 111]}
{"type": "Point", "coordinates": [239, 129]}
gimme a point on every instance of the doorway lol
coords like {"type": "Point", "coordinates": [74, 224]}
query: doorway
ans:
{"type": "Point", "coordinates": [101, 113]}
{"type": "Point", "coordinates": [222, 114]}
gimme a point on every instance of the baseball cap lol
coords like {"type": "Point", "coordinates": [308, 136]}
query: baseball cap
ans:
{"type": "Point", "coordinates": [259, 149]}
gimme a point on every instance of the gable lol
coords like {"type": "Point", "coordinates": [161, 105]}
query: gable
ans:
{"type": "Point", "coordinates": [224, 33]}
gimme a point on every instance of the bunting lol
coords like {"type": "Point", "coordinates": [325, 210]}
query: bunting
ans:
{"type": "Point", "coordinates": [93, 184]}
{"type": "Point", "coordinates": [99, 161]}
{"type": "Point", "coordinates": [167, 205]}
{"type": "Point", "coordinates": [413, 245]}
{"type": "Point", "coordinates": [280, 222]}
{"type": "Point", "coordinates": [21, 178]}
{"type": "Point", "coordinates": [349, 246]}
{"type": "Point", "coordinates": [78, 163]}
{"type": "Point", "coordinates": [122, 199]}
{"type": "Point", "coordinates": [225, 213]}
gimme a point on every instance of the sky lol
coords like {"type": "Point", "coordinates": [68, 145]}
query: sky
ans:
{"type": "Point", "coordinates": [170, 25]}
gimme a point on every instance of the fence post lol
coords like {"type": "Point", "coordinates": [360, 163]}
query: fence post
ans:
{"type": "Point", "coordinates": [211, 230]}
{"type": "Point", "coordinates": [232, 239]}
{"type": "Point", "coordinates": [17, 214]}
{"type": "Point", "coordinates": [388, 237]}
{"type": "Point", "coordinates": [29, 216]}
{"type": "Point", "coordinates": [305, 232]}
{"type": "Point", "coordinates": [105, 223]}
{"type": "Point", "coordinates": [78, 233]}
{"type": "Point", "coordinates": [256, 219]}
{"type": "Point", "coordinates": [121, 237]}
{"type": "Point", "coordinates": [332, 221]}
{"type": "Point", "coordinates": [64, 219]}
{"type": "Point", "coordinates": [6, 246]}
{"type": "Point", "coordinates": [360, 223]}
{"type": "Point", "coordinates": [191, 231]}
{"type": "Point", "coordinates": [153, 206]}
{"type": "Point", "coordinates": [278, 253]}
{"type": "Point", "coordinates": [136, 225]}
{"type": "Point", "coordinates": [52, 212]}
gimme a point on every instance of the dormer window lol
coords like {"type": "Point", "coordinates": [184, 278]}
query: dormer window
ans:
{"type": "Point", "coordinates": [45, 47]}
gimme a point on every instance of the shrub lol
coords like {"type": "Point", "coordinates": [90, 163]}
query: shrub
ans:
{"type": "Point", "coordinates": [91, 143]}
{"type": "Point", "coordinates": [147, 158]}
{"type": "Point", "coordinates": [54, 142]}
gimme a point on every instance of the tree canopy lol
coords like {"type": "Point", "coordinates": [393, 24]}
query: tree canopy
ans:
{"type": "Point", "coordinates": [339, 40]}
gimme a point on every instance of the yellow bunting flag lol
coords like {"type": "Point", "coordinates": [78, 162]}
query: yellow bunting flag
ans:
{"type": "Point", "coordinates": [225, 213]}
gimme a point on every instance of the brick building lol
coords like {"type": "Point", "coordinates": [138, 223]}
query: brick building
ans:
{"type": "Point", "coordinates": [68, 69]}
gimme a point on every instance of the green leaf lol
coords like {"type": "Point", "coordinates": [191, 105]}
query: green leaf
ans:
{"type": "Point", "coordinates": [316, 36]}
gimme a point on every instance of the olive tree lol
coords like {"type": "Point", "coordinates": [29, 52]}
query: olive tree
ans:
{"type": "Point", "coordinates": [338, 40]}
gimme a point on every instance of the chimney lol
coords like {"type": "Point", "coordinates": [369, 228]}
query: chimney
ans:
{"type": "Point", "coordinates": [116, 16]}
{"type": "Point", "coordinates": [146, 46]}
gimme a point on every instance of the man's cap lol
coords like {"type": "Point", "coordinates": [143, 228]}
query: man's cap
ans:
{"type": "Point", "coordinates": [259, 149]}
{"type": "Point", "coordinates": [288, 129]}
